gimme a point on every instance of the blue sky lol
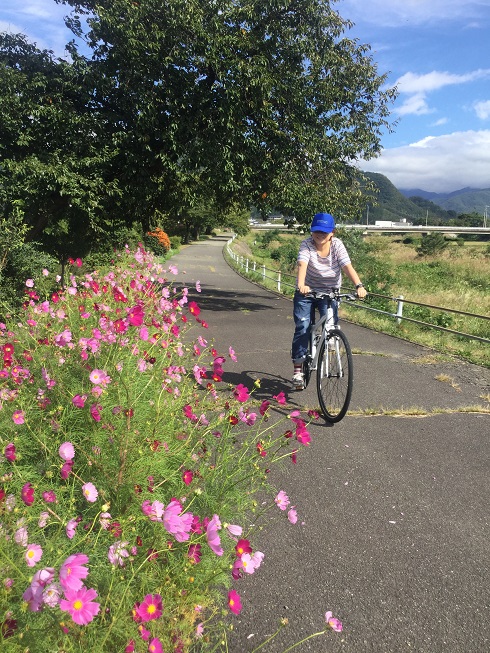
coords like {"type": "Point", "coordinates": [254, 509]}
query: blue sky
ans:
{"type": "Point", "coordinates": [436, 51]}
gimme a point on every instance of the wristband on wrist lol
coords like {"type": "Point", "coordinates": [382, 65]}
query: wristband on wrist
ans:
{"type": "Point", "coordinates": [359, 285]}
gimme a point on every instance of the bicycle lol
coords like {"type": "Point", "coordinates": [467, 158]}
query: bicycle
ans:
{"type": "Point", "coordinates": [330, 355]}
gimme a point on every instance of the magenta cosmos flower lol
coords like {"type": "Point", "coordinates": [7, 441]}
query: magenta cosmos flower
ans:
{"type": "Point", "coordinates": [80, 605]}
{"type": "Point", "coordinates": [72, 572]}
{"type": "Point", "coordinates": [90, 492]}
{"type": "Point", "coordinates": [9, 452]}
{"type": "Point", "coordinates": [234, 602]}
{"type": "Point", "coordinates": [241, 393]}
{"type": "Point", "coordinates": [155, 646]}
{"type": "Point", "coordinates": [150, 608]}
{"type": "Point", "coordinates": [27, 494]}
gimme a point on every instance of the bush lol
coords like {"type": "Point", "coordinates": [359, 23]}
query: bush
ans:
{"type": "Point", "coordinates": [431, 244]}
{"type": "Point", "coordinates": [157, 242]}
{"type": "Point", "coordinates": [175, 243]}
{"type": "Point", "coordinates": [125, 473]}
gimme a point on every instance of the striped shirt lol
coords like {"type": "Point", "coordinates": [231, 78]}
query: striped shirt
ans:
{"type": "Point", "coordinates": [323, 273]}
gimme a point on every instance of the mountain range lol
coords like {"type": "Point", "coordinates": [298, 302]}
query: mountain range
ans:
{"type": "Point", "coordinates": [416, 204]}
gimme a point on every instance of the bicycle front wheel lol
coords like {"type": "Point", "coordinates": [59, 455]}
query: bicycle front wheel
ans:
{"type": "Point", "coordinates": [334, 376]}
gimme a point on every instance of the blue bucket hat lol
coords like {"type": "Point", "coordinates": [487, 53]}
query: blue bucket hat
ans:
{"type": "Point", "coordinates": [323, 222]}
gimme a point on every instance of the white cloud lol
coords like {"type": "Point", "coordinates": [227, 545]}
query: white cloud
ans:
{"type": "Point", "coordinates": [396, 13]}
{"type": "Point", "coordinates": [441, 121]}
{"type": "Point", "coordinates": [418, 86]}
{"type": "Point", "coordinates": [482, 109]}
{"type": "Point", "coordinates": [437, 163]}
{"type": "Point", "coordinates": [413, 83]}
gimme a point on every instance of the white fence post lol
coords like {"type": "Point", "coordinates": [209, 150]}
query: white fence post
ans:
{"type": "Point", "coordinates": [263, 272]}
{"type": "Point", "coordinates": [246, 265]}
{"type": "Point", "coordinates": [278, 282]}
{"type": "Point", "coordinates": [399, 310]}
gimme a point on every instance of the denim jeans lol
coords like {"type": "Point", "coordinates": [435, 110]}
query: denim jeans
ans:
{"type": "Point", "coordinates": [304, 315]}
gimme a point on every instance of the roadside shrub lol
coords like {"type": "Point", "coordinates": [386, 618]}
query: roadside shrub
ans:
{"type": "Point", "coordinates": [157, 241]}
{"type": "Point", "coordinates": [175, 243]}
{"type": "Point", "coordinates": [127, 478]}
{"type": "Point", "coordinates": [431, 244]}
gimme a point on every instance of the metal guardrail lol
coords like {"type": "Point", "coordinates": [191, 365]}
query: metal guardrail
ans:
{"type": "Point", "coordinates": [278, 279]}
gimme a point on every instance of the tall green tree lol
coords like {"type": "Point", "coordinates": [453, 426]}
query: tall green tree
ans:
{"type": "Point", "coordinates": [53, 152]}
{"type": "Point", "coordinates": [246, 101]}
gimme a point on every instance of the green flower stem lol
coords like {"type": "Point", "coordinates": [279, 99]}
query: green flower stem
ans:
{"type": "Point", "coordinates": [269, 639]}
{"type": "Point", "coordinates": [290, 648]}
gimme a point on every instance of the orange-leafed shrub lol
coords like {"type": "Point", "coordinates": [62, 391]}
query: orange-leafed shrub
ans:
{"type": "Point", "coordinates": [161, 237]}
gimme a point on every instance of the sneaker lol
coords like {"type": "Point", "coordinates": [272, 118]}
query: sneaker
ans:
{"type": "Point", "coordinates": [299, 381]}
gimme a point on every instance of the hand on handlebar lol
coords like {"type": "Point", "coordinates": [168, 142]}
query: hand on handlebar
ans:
{"type": "Point", "coordinates": [304, 290]}
{"type": "Point", "coordinates": [361, 292]}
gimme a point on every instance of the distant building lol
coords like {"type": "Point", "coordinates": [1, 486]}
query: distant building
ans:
{"type": "Point", "coordinates": [389, 223]}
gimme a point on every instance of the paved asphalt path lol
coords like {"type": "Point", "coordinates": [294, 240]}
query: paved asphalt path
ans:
{"type": "Point", "coordinates": [393, 533]}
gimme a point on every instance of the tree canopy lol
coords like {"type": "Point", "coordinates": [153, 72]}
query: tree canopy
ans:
{"type": "Point", "coordinates": [172, 105]}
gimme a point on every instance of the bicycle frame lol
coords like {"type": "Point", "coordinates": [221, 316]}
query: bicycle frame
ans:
{"type": "Point", "coordinates": [321, 329]}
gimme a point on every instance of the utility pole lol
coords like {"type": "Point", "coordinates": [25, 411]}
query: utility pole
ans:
{"type": "Point", "coordinates": [485, 216]}
{"type": "Point", "coordinates": [367, 215]}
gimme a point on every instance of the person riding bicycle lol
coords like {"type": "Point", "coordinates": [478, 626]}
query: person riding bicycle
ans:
{"type": "Point", "coordinates": [321, 260]}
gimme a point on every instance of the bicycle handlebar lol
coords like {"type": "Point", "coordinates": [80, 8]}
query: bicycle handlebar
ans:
{"type": "Point", "coordinates": [332, 294]}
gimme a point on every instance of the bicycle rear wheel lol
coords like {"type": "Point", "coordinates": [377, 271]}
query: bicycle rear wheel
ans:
{"type": "Point", "coordinates": [334, 376]}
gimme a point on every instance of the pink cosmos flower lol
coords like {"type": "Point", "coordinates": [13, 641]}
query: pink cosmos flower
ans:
{"type": "Point", "coordinates": [198, 286]}
{"type": "Point", "coordinates": [234, 602]}
{"type": "Point", "coordinates": [34, 593]}
{"type": "Point", "coordinates": [212, 535]}
{"type": "Point", "coordinates": [155, 646]}
{"type": "Point", "coordinates": [199, 630]}
{"type": "Point", "coordinates": [117, 553]}
{"type": "Point", "coordinates": [232, 354]}
{"type": "Point", "coordinates": [21, 536]}
{"type": "Point", "coordinates": [150, 608]}
{"type": "Point", "coordinates": [43, 519]}
{"type": "Point", "coordinates": [292, 515]}
{"type": "Point", "coordinates": [282, 500]}
{"type": "Point", "coordinates": [175, 523]}
{"type": "Point", "coordinates": [241, 393]}
{"type": "Point", "coordinates": [49, 496]}
{"type": "Point", "coordinates": [27, 494]}
{"type": "Point", "coordinates": [18, 417]}
{"type": "Point", "coordinates": [130, 646]}
{"type": "Point", "coordinates": [67, 451]}
{"type": "Point", "coordinates": [333, 623]}
{"type": "Point", "coordinates": [52, 595]}
{"type": "Point", "coordinates": [99, 377]}
{"type": "Point", "coordinates": [72, 572]}
{"type": "Point", "coordinates": [234, 529]}
{"type": "Point", "coordinates": [90, 492]}
{"type": "Point", "coordinates": [247, 563]}
{"type": "Point", "coordinates": [30, 283]}
{"type": "Point", "coordinates": [80, 605]}
{"type": "Point", "coordinates": [280, 398]}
